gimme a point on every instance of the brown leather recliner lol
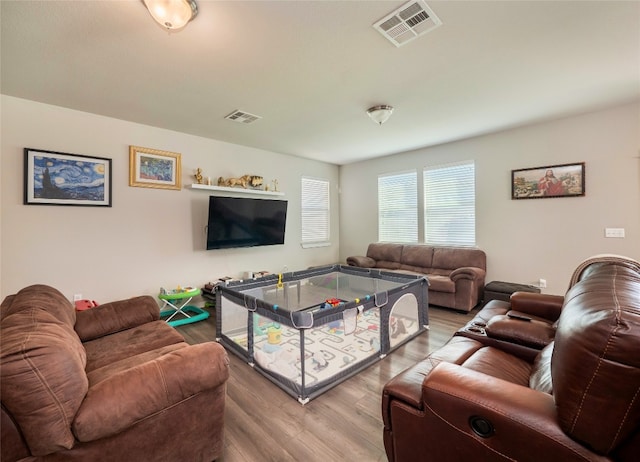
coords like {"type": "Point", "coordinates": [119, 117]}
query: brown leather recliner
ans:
{"type": "Point", "coordinates": [110, 383]}
{"type": "Point", "coordinates": [523, 326]}
{"type": "Point", "coordinates": [578, 399]}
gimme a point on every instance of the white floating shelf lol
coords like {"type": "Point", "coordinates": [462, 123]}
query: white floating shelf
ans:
{"type": "Point", "coordinates": [260, 192]}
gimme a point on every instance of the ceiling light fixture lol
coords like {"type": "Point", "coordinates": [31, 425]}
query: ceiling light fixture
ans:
{"type": "Point", "coordinates": [172, 14]}
{"type": "Point", "coordinates": [380, 114]}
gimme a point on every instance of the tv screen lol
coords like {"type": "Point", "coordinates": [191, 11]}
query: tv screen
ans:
{"type": "Point", "coordinates": [245, 222]}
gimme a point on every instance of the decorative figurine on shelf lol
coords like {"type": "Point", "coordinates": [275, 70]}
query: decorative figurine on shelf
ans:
{"type": "Point", "coordinates": [198, 175]}
{"type": "Point", "coordinates": [253, 181]}
{"type": "Point", "coordinates": [275, 185]}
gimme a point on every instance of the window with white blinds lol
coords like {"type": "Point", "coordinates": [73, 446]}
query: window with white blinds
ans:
{"type": "Point", "coordinates": [398, 207]}
{"type": "Point", "coordinates": [315, 212]}
{"type": "Point", "coordinates": [450, 204]}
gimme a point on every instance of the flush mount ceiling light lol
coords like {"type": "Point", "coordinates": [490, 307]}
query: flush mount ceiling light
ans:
{"type": "Point", "coordinates": [172, 14]}
{"type": "Point", "coordinates": [380, 114]}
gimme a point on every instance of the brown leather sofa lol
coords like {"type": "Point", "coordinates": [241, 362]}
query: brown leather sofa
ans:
{"type": "Point", "coordinates": [110, 383]}
{"type": "Point", "coordinates": [456, 274]}
{"type": "Point", "coordinates": [576, 400]}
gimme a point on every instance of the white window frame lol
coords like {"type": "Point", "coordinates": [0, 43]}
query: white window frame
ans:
{"type": "Point", "coordinates": [449, 204]}
{"type": "Point", "coordinates": [315, 212]}
{"type": "Point", "coordinates": [398, 207]}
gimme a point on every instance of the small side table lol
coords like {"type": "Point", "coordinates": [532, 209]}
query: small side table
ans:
{"type": "Point", "coordinates": [178, 303]}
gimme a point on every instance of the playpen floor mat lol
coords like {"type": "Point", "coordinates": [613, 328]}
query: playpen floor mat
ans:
{"type": "Point", "coordinates": [328, 350]}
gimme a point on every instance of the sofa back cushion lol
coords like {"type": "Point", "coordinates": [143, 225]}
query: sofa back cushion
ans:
{"type": "Point", "coordinates": [385, 255]}
{"type": "Point", "coordinates": [417, 256]}
{"type": "Point", "coordinates": [42, 365]}
{"type": "Point", "coordinates": [458, 257]}
{"type": "Point", "coordinates": [42, 296]}
{"type": "Point", "coordinates": [595, 364]}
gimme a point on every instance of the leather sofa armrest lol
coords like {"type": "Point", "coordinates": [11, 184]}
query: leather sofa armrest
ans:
{"type": "Point", "coordinates": [525, 419]}
{"type": "Point", "coordinates": [116, 316]}
{"type": "Point", "coordinates": [542, 305]}
{"type": "Point", "coordinates": [123, 399]}
{"type": "Point", "coordinates": [362, 262]}
{"type": "Point", "coordinates": [530, 333]}
{"type": "Point", "coordinates": [467, 272]}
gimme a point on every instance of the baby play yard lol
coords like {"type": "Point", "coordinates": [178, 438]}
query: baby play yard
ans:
{"type": "Point", "coordinates": [309, 330]}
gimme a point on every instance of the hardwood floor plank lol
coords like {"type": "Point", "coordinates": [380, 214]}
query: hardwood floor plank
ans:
{"type": "Point", "coordinates": [264, 423]}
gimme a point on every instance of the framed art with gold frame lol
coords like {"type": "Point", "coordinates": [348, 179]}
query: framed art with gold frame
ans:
{"type": "Point", "coordinates": [152, 168]}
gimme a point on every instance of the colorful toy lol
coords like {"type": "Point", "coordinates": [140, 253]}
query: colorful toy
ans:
{"type": "Point", "coordinates": [331, 303]}
{"type": "Point", "coordinates": [274, 334]}
{"type": "Point", "coordinates": [176, 302]}
{"type": "Point", "coordinates": [82, 305]}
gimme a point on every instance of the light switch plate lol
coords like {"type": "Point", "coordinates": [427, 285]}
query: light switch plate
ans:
{"type": "Point", "coordinates": [614, 232]}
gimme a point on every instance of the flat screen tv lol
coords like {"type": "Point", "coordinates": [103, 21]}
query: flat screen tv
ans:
{"type": "Point", "coordinates": [245, 222]}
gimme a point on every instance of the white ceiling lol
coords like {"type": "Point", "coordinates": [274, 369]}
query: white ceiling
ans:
{"type": "Point", "coordinates": [312, 68]}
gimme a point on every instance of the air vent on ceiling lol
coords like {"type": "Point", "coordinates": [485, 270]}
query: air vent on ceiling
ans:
{"type": "Point", "coordinates": [242, 117]}
{"type": "Point", "coordinates": [407, 22]}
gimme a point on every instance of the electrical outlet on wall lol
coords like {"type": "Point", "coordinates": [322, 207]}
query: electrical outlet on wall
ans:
{"type": "Point", "coordinates": [77, 297]}
{"type": "Point", "coordinates": [542, 283]}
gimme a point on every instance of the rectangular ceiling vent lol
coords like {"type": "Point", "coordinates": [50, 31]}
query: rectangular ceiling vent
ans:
{"type": "Point", "coordinates": [407, 23]}
{"type": "Point", "coordinates": [242, 117]}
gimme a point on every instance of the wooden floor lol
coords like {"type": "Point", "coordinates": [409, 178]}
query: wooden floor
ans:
{"type": "Point", "coordinates": [263, 423]}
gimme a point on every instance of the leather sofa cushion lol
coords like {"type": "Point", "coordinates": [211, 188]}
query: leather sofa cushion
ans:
{"type": "Point", "coordinates": [535, 333]}
{"type": "Point", "coordinates": [499, 364]}
{"type": "Point", "coordinates": [595, 364]}
{"type": "Point", "coordinates": [541, 371]}
{"type": "Point", "coordinates": [491, 309]}
{"type": "Point", "coordinates": [43, 376]}
{"type": "Point", "coordinates": [408, 384]}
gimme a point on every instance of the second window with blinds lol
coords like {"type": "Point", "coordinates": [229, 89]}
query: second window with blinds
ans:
{"type": "Point", "coordinates": [448, 206]}
{"type": "Point", "coordinates": [315, 212]}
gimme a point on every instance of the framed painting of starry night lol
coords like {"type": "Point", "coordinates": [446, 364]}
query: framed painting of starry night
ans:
{"type": "Point", "coordinates": [58, 178]}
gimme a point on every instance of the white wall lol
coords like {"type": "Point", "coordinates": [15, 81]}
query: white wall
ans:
{"type": "Point", "coordinates": [526, 239]}
{"type": "Point", "coordinates": [150, 237]}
